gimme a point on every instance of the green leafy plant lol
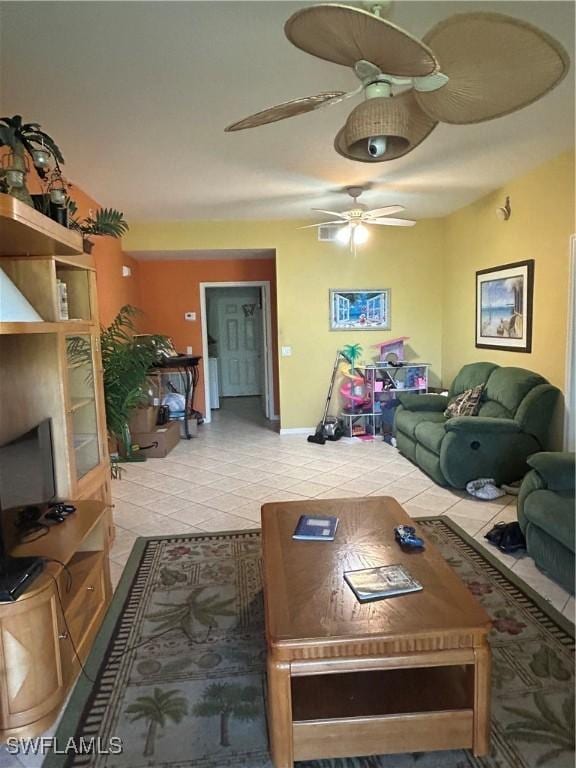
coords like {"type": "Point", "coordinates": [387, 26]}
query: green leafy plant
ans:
{"type": "Point", "coordinates": [157, 710]}
{"type": "Point", "coordinates": [107, 222]}
{"type": "Point", "coordinates": [126, 361]}
{"type": "Point", "coordinates": [227, 700]}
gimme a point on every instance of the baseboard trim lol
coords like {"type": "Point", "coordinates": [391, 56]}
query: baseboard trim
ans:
{"type": "Point", "coordinates": [297, 430]}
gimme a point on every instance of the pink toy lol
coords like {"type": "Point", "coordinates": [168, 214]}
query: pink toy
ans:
{"type": "Point", "coordinates": [354, 390]}
{"type": "Point", "coordinates": [392, 347]}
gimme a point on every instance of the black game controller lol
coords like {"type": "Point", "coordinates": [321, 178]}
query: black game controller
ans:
{"type": "Point", "coordinates": [55, 515]}
{"type": "Point", "coordinates": [62, 509]}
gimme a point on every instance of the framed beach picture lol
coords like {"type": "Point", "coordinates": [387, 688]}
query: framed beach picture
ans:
{"type": "Point", "coordinates": [360, 310]}
{"type": "Point", "coordinates": [504, 307]}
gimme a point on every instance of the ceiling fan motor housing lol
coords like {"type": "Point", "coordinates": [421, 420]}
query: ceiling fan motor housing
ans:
{"type": "Point", "coordinates": [398, 118]}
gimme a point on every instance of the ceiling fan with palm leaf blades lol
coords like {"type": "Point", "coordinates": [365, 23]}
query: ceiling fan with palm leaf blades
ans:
{"type": "Point", "coordinates": [353, 230]}
{"type": "Point", "coordinates": [469, 68]}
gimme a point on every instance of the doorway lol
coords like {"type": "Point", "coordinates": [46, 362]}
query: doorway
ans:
{"type": "Point", "coordinates": [236, 333]}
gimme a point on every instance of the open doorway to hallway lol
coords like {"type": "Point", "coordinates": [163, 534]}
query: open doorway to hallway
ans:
{"type": "Point", "coordinates": [236, 324]}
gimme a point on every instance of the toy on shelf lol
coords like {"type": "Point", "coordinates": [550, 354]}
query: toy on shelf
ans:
{"type": "Point", "coordinates": [392, 351]}
{"type": "Point", "coordinates": [354, 388]}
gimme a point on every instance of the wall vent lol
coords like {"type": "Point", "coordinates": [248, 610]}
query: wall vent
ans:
{"type": "Point", "coordinates": [327, 232]}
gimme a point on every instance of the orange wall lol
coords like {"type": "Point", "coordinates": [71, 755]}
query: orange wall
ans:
{"type": "Point", "coordinates": [168, 289]}
{"type": "Point", "coordinates": [113, 290]}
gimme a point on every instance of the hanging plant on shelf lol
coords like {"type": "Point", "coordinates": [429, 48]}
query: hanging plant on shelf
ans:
{"type": "Point", "coordinates": [105, 222]}
{"type": "Point", "coordinates": [27, 143]}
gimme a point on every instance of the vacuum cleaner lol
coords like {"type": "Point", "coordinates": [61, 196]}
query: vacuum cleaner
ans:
{"type": "Point", "coordinates": [330, 428]}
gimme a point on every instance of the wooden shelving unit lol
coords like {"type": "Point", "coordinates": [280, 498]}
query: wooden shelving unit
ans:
{"type": "Point", "coordinates": [39, 378]}
{"type": "Point", "coordinates": [25, 232]}
{"type": "Point", "coordinates": [44, 376]}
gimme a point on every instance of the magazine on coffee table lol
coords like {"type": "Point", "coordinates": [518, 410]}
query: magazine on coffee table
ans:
{"type": "Point", "coordinates": [310, 528]}
{"type": "Point", "coordinates": [381, 582]}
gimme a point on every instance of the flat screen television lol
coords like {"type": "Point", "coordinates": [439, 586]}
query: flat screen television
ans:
{"type": "Point", "coordinates": [27, 471]}
{"type": "Point", "coordinates": [26, 480]}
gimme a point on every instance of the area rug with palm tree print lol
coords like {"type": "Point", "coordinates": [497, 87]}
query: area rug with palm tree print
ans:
{"type": "Point", "coordinates": [178, 667]}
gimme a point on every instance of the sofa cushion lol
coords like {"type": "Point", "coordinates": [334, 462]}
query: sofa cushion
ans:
{"type": "Point", "coordinates": [407, 421]}
{"type": "Point", "coordinates": [508, 387]}
{"type": "Point", "coordinates": [470, 376]}
{"type": "Point", "coordinates": [466, 404]}
{"type": "Point", "coordinates": [554, 513]}
{"type": "Point", "coordinates": [493, 410]}
{"type": "Point", "coordinates": [430, 435]}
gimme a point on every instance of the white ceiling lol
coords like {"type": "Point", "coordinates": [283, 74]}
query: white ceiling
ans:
{"type": "Point", "coordinates": [137, 94]}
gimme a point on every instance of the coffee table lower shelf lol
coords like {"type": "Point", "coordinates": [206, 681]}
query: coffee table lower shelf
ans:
{"type": "Point", "coordinates": [387, 734]}
{"type": "Point", "coordinates": [377, 711]}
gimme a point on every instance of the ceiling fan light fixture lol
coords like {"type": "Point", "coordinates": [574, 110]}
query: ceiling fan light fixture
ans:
{"type": "Point", "coordinates": [396, 119]}
{"type": "Point", "coordinates": [343, 235]}
{"type": "Point", "coordinates": [360, 234]}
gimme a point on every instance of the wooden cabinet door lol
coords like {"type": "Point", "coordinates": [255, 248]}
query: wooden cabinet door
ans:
{"type": "Point", "coordinates": [35, 662]}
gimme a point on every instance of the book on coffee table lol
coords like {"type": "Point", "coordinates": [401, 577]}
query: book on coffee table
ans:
{"type": "Point", "coordinates": [381, 582]}
{"type": "Point", "coordinates": [310, 528]}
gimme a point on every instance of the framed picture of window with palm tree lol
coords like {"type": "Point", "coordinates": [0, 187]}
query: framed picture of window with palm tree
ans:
{"type": "Point", "coordinates": [360, 310]}
{"type": "Point", "coordinates": [504, 307]}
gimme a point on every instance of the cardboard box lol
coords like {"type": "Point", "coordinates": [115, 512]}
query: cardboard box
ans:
{"type": "Point", "coordinates": [143, 419]}
{"type": "Point", "coordinates": [166, 437]}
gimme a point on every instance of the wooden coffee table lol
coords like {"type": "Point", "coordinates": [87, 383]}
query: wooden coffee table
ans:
{"type": "Point", "coordinates": [406, 674]}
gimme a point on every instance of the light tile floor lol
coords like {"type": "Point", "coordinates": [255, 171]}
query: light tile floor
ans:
{"type": "Point", "coordinates": [218, 481]}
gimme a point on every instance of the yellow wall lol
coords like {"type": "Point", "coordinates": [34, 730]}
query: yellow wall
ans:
{"type": "Point", "coordinates": [430, 270]}
{"type": "Point", "coordinates": [405, 260]}
{"type": "Point", "coordinates": [542, 221]}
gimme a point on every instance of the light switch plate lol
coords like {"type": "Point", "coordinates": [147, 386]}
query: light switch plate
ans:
{"type": "Point", "coordinates": [188, 350]}
{"type": "Point", "coordinates": [286, 352]}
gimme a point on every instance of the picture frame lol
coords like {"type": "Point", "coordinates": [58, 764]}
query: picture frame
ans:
{"type": "Point", "coordinates": [360, 309]}
{"type": "Point", "coordinates": [504, 303]}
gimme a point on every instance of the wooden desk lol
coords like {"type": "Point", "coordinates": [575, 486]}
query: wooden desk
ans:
{"type": "Point", "coordinates": [345, 679]}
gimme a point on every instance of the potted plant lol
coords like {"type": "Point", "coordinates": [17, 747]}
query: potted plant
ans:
{"type": "Point", "coordinates": [106, 222]}
{"type": "Point", "coordinates": [26, 141]}
{"type": "Point", "coordinates": [126, 363]}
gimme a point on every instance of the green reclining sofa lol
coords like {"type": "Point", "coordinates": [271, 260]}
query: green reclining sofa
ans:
{"type": "Point", "coordinates": [513, 421]}
{"type": "Point", "coordinates": [546, 514]}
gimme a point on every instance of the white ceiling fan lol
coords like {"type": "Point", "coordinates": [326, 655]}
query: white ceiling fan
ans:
{"type": "Point", "coordinates": [353, 230]}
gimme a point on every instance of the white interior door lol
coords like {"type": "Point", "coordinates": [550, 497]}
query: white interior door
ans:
{"type": "Point", "coordinates": [240, 341]}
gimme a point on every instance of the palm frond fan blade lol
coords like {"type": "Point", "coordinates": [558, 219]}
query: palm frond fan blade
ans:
{"type": "Point", "coordinates": [375, 213]}
{"type": "Point", "coordinates": [496, 64]}
{"type": "Point", "coordinates": [390, 222]}
{"type": "Point", "coordinates": [287, 109]}
{"type": "Point", "coordinates": [323, 224]}
{"type": "Point", "coordinates": [347, 35]}
{"type": "Point", "coordinates": [342, 215]}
